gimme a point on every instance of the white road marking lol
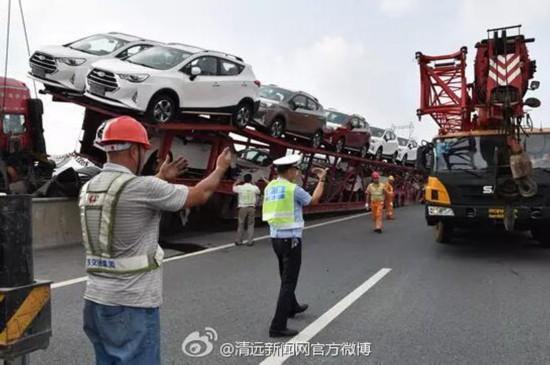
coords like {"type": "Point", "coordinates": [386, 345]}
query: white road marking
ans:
{"type": "Point", "coordinates": [317, 326]}
{"type": "Point", "coordinates": [81, 279]}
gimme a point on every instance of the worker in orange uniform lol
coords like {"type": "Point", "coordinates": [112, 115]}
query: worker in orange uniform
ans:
{"type": "Point", "coordinates": [376, 195]}
{"type": "Point", "coordinates": [388, 204]}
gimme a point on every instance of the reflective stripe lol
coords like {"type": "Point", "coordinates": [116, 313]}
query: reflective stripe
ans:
{"type": "Point", "coordinates": [83, 223]}
{"type": "Point", "coordinates": [125, 264]}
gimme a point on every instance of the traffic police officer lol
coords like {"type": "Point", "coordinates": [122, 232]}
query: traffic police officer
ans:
{"type": "Point", "coordinates": [282, 209]}
{"type": "Point", "coordinates": [120, 216]}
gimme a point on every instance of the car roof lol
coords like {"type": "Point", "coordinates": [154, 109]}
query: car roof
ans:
{"type": "Point", "coordinates": [127, 37]}
{"type": "Point", "coordinates": [195, 49]}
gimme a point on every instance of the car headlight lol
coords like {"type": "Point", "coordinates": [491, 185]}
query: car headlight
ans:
{"type": "Point", "coordinates": [264, 105]}
{"type": "Point", "coordinates": [440, 211]}
{"type": "Point", "coordinates": [134, 77]}
{"type": "Point", "coordinates": [71, 61]}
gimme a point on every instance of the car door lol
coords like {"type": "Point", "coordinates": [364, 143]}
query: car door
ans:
{"type": "Point", "coordinates": [353, 136]}
{"type": "Point", "coordinates": [203, 91]}
{"type": "Point", "coordinates": [413, 147]}
{"type": "Point", "coordinates": [313, 117]}
{"type": "Point", "coordinates": [392, 143]}
{"type": "Point", "coordinates": [298, 116]}
{"type": "Point", "coordinates": [233, 88]}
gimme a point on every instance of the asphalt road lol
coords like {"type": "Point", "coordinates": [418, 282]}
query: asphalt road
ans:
{"type": "Point", "coordinates": [482, 300]}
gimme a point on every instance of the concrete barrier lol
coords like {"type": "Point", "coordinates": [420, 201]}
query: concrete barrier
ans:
{"type": "Point", "coordinates": [56, 222]}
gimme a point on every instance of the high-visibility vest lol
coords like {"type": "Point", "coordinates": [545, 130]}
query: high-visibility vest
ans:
{"type": "Point", "coordinates": [247, 195]}
{"type": "Point", "coordinates": [278, 206]}
{"type": "Point", "coordinates": [376, 191]}
{"type": "Point", "coordinates": [98, 202]}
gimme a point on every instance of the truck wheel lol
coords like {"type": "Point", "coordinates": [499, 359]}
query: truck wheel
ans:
{"type": "Point", "coordinates": [162, 109]}
{"type": "Point", "coordinates": [443, 232]}
{"type": "Point", "coordinates": [340, 145]}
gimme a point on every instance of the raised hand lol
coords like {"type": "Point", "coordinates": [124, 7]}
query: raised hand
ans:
{"type": "Point", "coordinates": [170, 170]}
{"type": "Point", "coordinates": [224, 159]}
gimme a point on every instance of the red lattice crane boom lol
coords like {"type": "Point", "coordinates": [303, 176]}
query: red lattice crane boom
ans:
{"type": "Point", "coordinates": [495, 98]}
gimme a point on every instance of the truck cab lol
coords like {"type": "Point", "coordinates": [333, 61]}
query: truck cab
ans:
{"type": "Point", "coordinates": [470, 183]}
{"type": "Point", "coordinates": [23, 161]}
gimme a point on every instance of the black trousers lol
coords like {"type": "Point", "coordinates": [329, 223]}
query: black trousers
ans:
{"type": "Point", "coordinates": [289, 255]}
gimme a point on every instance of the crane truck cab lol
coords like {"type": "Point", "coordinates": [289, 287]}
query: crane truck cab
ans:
{"type": "Point", "coordinates": [470, 183]}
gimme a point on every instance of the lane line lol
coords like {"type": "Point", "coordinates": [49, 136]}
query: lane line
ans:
{"type": "Point", "coordinates": [317, 326]}
{"type": "Point", "coordinates": [81, 279]}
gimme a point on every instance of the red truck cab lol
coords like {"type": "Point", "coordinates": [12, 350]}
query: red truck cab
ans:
{"type": "Point", "coordinates": [15, 125]}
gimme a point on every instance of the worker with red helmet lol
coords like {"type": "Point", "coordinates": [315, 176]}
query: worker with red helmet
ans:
{"type": "Point", "coordinates": [375, 196]}
{"type": "Point", "coordinates": [120, 214]}
{"type": "Point", "coordinates": [390, 195]}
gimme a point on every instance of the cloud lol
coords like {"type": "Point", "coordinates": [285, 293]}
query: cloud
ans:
{"type": "Point", "coordinates": [396, 8]}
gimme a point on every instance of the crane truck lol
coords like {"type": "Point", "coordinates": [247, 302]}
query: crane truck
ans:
{"type": "Point", "coordinates": [489, 165]}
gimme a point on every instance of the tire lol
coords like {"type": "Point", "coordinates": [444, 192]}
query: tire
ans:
{"type": "Point", "coordinates": [378, 154]}
{"type": "Point", "coordinates": [443, 233]}
{"type": "Point", "coordinates": [243, 115]}
{"type": "Point", "coordinates": [277, 128]}
{"type": "Point", "coordinates": [317, 139]}
{"type": "Point", "coordinates": [364, 151]}
{"type": "Point", "coordinates": [394, 158]}
{"type": "Point", "coordinates": [161, 109]}
{"type": "Point", "coordinates": [340, 145]}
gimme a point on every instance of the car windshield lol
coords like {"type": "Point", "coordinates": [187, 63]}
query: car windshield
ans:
{"type": "Point", "coordinates": [537, 147]}
{"type": "Point", "coordinates": [275, 93]}
{"type": "Point", "coordinates": [13, 124]}
{"type": "Point", "coordinates": [402, 142]}
{"type": "Point", "coordinates": [336, 117]}
{"type": "Point", "coordinates": [469, 152]}
{"type": "Point", "coordinates": [376, 132]}
{"type": "Point", "coordinates": [98, 45]}
{"type": "Point", "coordinates": [159, 58]}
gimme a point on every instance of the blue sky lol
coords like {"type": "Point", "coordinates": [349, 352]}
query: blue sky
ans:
{"type": "Point", "coordinates": [354, 55]}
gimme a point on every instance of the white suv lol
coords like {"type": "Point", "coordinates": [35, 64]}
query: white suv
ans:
{"type": "Point", "coordinates": [65, 67]}
{"type": "Point", "coordinates": [163, 80]}
{"type": "Point", "coordinates": [407, 150]}
{"type": "Point", "coordinates": [383, 144]}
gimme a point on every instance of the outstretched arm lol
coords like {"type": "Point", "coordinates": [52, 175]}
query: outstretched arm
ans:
{"type": "Point", "coordinates": [200, 193]}
{"type": "Point", "coordinates": [320, 188]}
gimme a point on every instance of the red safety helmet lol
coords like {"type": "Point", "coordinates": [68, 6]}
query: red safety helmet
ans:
{"type": "Point", "coordinates": [119, 133]}
{"type": "Point", "coordinates": [375, 175]}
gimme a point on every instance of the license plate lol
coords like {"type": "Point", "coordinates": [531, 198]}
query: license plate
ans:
{"type": "Point", "coordinates": [496, 213]}
{"type": "Point", "coordinates": [38, 72]}
{"type": "Point", "coordinates": [97, 89]}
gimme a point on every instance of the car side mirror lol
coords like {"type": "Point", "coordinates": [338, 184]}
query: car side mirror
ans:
{"type": "Point", "coordinates": [195, 71]}
{"type": "Point", "coordinates": [532, 102]}
{"type": "Point", "coordinates": [292, 104]}
{"type": "Point", "coordinates": [534, 85]}
{"type": "Point", "coordinates": [425, 158]}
